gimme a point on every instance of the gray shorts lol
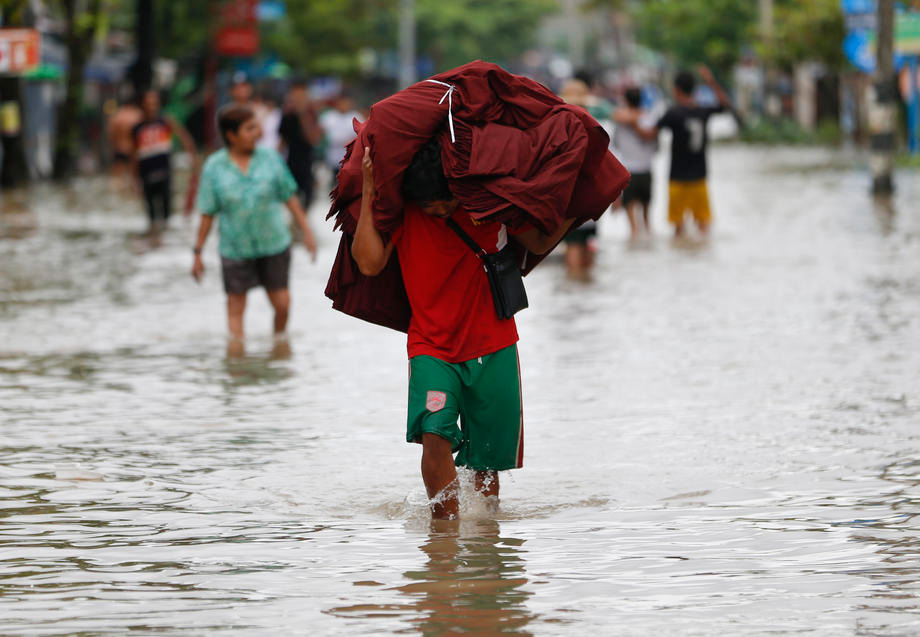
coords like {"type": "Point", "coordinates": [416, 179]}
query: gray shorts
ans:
{"type": "Point", "coordinates": [271, 272]}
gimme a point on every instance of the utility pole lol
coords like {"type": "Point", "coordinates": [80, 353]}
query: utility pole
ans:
{"type": "Point", "coordinates": [769, 104]}
{"type": "Point", "coordinates": [406, 43]}
{"type": "Point", "coordinates": [765, 9]}
{"type": "Point", "coordinates": [883, 105]}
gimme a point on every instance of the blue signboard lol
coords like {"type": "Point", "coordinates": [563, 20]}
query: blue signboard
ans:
{"type": "Point", "coordinates": [861, 22]}
{"type": "Point", "coordinates": [856, 46]}
{"type": "Point", "coordinates": [271, 10]}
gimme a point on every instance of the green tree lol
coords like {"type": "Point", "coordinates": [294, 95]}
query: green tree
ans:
{"type": "Point", "coordinates": [807, 30]}
{"type": "Point", "coordinates": [327, 36]}
{"type": "Point", "coordinates": [713, 32]}
{"type": "Point", "coordinates": [456, 32]}
{"type": "Point", "coordinates": [84, 22]}
{"type": "Point", "coordinates": [183, 28]}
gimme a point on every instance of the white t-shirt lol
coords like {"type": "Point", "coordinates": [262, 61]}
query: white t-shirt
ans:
{"type": "Point", "coordinates": [635, 152]}
{"type": "Point", "coordinates": [270, 121]}
{"type": "Point", "coordinates": [339, 131]}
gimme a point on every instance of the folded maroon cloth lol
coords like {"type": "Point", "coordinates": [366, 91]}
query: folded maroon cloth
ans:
{"type": "Point", "coordinates": [512, 152]}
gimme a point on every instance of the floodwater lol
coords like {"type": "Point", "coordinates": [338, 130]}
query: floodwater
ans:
{"type": "Point", "coordinates": [722, 439]}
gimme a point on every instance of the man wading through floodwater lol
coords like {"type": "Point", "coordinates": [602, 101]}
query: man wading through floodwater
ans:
{"type": "Point", "coordinates": [463, 359]}
{"type": "Point", "coordinates": [454, 189]}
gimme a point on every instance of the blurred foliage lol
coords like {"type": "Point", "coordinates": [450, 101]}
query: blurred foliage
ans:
{"type": "Point", "coordinates": [182, 29]}
{"type": "Point", "coordinates": [807, 30]}
{"type": "Point", "coordinates": [456, 32]}
{"type": "Point", "coordinates": [712, 32]}
{"type": "Point", "coordinates": [905, 160]}
{"type": "Point", "coordinates": [716, 32]}
{"type": "Point", "coordinates": [328, 37]}
{"type": "Point", "coordinates": [788, 131]}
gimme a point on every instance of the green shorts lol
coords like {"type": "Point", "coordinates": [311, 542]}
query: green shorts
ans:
{"type": "Point", "coordinates": [486, 395]}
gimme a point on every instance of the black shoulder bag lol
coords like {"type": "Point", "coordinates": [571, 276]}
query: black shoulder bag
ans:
{"type": "Point", "coordinates": [503, 272]}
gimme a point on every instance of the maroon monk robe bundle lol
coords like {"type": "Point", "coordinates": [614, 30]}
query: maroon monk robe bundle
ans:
{"type": "Point", "coordinates": [512, 152]}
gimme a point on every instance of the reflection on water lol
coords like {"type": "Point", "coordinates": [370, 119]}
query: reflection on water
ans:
{"type": "Point", "coordinates": [471, 582]}
{"type": "Point", "coordinates": [722, 436]}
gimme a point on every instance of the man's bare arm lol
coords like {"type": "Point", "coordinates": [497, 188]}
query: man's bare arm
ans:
{"type": "Point", "coordinates": [368, 248]}
{"type": "Point", "coordinates": [710, 80]}
{"type": "Point", "coordinates": [184, 137]}
{"type": "Point", "coordinates": [630, 117]}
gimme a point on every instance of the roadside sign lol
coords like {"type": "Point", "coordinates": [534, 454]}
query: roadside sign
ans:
{"type": "Point", "coordinates": [861, 22]}
{"type": "Point", "coordinates": [238, 33]}
{"type": "Point", "coordinates": [19, 50]}
{"type": "Point", "coordinates": [237, 41]}
{"type": "Point", "coordinates": [907, 33]}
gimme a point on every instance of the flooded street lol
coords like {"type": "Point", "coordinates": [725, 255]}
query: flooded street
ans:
{"type": "Point", "coordinates": [720, 440]}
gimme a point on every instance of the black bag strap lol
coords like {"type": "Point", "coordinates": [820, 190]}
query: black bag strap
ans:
{"type": "Point", "coordinates": [467, 239]}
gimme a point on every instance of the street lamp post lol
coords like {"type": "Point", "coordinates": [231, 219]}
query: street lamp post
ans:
{"type": "Point", "coordinates": [406, 43]}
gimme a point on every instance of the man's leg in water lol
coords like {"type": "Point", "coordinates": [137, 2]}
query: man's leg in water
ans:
{"type": "Point", "coordinates": [632, 214]}
{"type": "Point", "coordinates": [677, 206]}
{"type": "Point", "coordinates": [440, 476]}
{"type": "Point", "coordinates": [281, 302]}
{"type": "Point", "coordinates": [486, 483]}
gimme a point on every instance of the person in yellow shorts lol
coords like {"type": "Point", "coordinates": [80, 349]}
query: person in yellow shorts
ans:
{"type": "Point", "coordinates": [687, 192]}
{"type": "Point", "coordinates": [692, 197]}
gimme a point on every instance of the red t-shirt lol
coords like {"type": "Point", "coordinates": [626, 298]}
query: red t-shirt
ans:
{"type": "Point", "coordinates": [453, 315]}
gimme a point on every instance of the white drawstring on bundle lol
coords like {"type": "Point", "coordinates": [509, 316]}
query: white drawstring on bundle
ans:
{"type": "Point", "coordinates": [450, 105]}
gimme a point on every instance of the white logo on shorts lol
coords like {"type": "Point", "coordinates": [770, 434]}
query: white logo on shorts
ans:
{"type": "Point", "coordinates": [435, 401]}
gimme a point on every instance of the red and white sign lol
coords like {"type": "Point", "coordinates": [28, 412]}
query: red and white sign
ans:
{"type": "Point", "coordinates": [238, 35]}
{"type": "Point", "coordinates": [237, 41]}
{"type": "Point", "coordinates": [19, 50]}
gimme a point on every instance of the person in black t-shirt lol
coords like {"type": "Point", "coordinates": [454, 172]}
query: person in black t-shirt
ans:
{"type": "Point", "coordinates": [687, 121]}
{"type": "Point", "coordinates": [300, 133]}
{"type": "Point", "coordinates": [152, 139]}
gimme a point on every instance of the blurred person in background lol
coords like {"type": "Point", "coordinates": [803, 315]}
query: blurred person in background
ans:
{"type": "Point", "coordinates": [687, 191]}
{"type": "Point", "coordinates": [240, 89]}
{"type": "Point", "coordinates": [636, 151]}
{"type": "Point", "coordinates": [269, 115]}
{"type": "Point", "coordinates": [599, 107]}
{"type": "Point", "coordinates": [338, 127]}
{"type": "Point", "coordinates": [579, 250]}
{"type": "Point", "coordinates": [300, 133]}
{"type": "Point", "coordinates": [121, 136]}
{"type": "Point", "coordinates": [152, 139]}
{"type": "Point", "coordinates": [243, 186]}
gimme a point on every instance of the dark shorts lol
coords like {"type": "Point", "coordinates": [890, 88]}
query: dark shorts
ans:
{"type": "Point", "coordinates": [121, 158]}
{"type": "Point", "coordinates": [639, 189]}
{"type": "Point", "coordinates": [270, 272]}
{"type": "Point", "coordinates": [582, 234]}
{"type": "Point", "coordinates": [303, 175]}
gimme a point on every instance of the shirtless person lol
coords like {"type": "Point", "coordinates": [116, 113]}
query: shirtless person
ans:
{"type": "Point", "coordinates": [121, 139]}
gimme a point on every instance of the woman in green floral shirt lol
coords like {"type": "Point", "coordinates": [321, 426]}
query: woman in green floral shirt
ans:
{"type": "Point", "coordinates": [243, 187]}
